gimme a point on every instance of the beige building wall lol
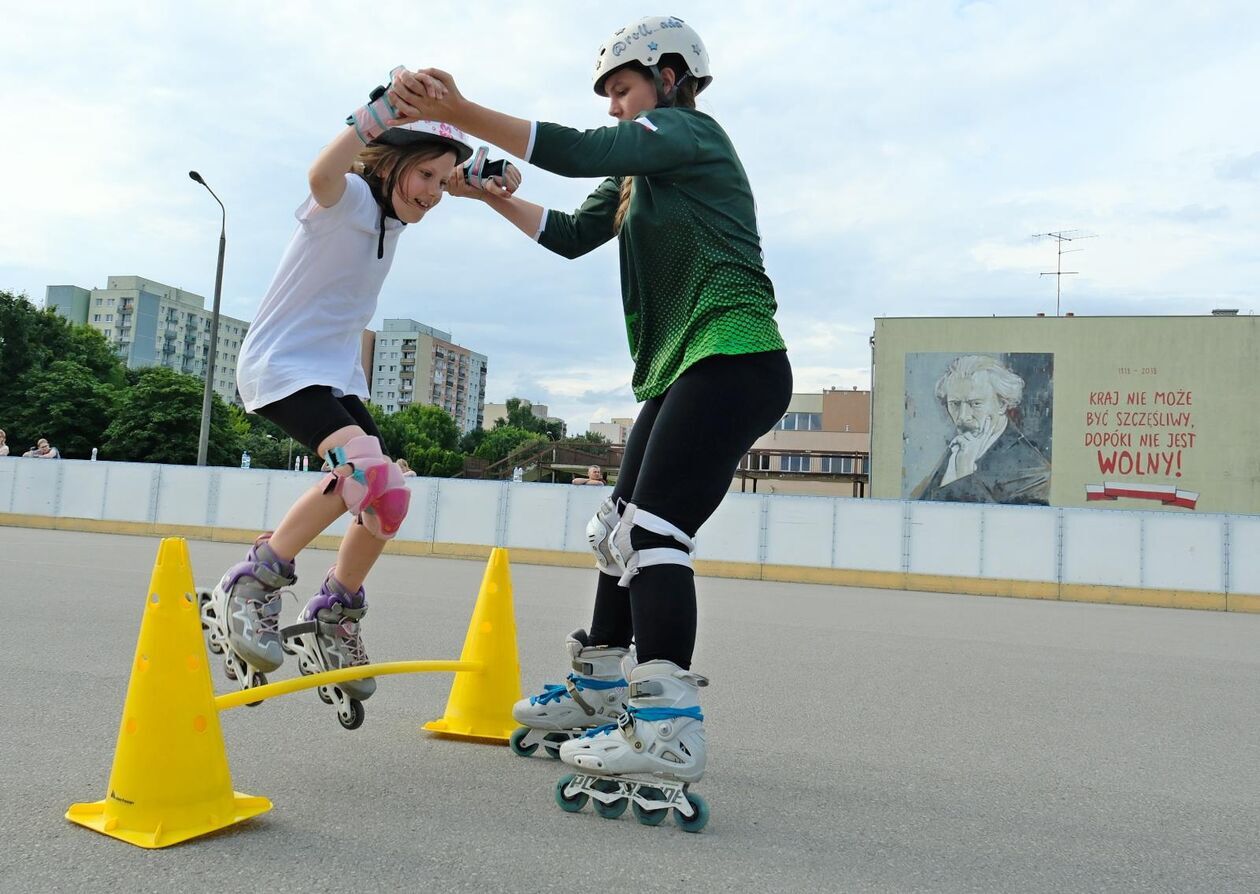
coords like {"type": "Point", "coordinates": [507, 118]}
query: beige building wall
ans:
{"type": "Point", "coordinates": [1128, 412]}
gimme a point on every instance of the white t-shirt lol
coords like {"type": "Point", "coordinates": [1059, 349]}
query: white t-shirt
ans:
{"type": "Point", "coordinates": [308, 327]}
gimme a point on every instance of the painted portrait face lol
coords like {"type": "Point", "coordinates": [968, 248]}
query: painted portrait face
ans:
{"type": "Point", "coordinates": [971, 400]}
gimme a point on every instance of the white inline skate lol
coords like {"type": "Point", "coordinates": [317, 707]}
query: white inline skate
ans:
{"type": "Point", "coordinates": [241, 615]}
{"type": "Point", "coordinates": [592, 695]}
{"type": "Point", "coordinates": [327, 637]}
{"type": "Point", "coordinates": [648, 758]}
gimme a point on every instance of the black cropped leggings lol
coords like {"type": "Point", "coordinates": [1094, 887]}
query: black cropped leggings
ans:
{"type": "Point", "coordinates": [678, 465]}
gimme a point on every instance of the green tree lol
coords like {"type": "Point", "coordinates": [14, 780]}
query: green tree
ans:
{"type": "Point", "coordinates": [64, 402]}
{"type": "Point", "coordinates": [32, 339]}
{"type": "Point", "coordinates": [590, 437]}
{"type": "Point", "coordinates": [504, 439]}
{"type": "Point", "coordinates": [426, 436]}
{"type": "Point", "coordinates": [469, 443]}
{"type": "Point", "coordinates": [520, 414]}
{"type": "Point", "coordinates": [159, 420]}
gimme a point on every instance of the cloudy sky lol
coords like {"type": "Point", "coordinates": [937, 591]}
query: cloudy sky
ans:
{"type": "Point", "coordinates": [902, 154]}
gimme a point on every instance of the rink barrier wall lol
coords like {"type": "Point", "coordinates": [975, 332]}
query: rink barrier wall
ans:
{"type": "Point", "coordinates": [1190, 560]}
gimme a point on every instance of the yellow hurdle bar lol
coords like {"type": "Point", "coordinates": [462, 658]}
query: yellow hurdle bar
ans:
{"type": "Point", "coordinates": [297, 684]}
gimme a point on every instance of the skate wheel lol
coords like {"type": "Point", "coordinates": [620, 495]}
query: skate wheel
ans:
{"type": "Point", "coordinates": [256, 679]}
{"type": "Point", "coordinates": [213, 646]}
{"type": "Point", "coordinates": [696, 821]}
{"type": "Point", "coordinates": [573, 804]}
{"type": "Point", "coordinates": [323, 696]}
{"type": "Point", "coordinates": [650, 817]}
{"type": "Point", "coordinates": [229, 670]}
{"type": "Point", "coordinates": [517, 740]}
{"type": "Point", "coordinates": [356, 715]}
{"type": "Point", "coordinates": [608, 811]}
{"type": "Point", "coordinates": [552, 743]}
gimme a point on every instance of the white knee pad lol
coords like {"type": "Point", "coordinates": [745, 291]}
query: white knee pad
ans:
{"type": "Point", "coordinates": [599, 532]}
{"type": "Point", "coordinates": [631, 560]}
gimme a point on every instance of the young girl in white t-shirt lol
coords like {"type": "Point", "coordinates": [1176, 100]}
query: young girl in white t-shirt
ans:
{"type": "Point", "coordinates": [300, 367]}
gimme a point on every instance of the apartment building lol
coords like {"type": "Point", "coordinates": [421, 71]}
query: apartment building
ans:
{"type": "Point", "coordinates": [415, 363]}
{"type": "Point", "coordinates": [822, 445]}
{"type": "Point", "coordinates": [152, 324]}
{"type": "Point", "coordinates": [616, 431]}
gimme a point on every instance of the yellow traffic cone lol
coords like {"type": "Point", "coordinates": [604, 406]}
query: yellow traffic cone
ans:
{"type": "Point", "coordinates": [170, 780]}
{"type": "Point", "coordinates": [480, 704]}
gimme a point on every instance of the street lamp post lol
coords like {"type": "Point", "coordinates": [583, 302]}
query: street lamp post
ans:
{"type": "Point", "coordinates": [203, 443]}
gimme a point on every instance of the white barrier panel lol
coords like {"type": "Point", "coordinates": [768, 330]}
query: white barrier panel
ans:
{"type": "Point", "coordinates": [800, 531]}
{"type": "Point", "coordinates": [1019, 543]}
{"type": "Point", "coordinates": [733, 533]}
{"type": "Point", "coordinates": [8, 472]}
{"type": "Point", "coordinates": [945, 539]}
{"type": "Point", "coordinates": [1107, 547]}
{"type": "Point", "coordinates": [1102, 548]}
{"type": "Point", "coordinates": [869, 535]}
{"type": "Point", "coordinates": [242, 501]}
{"type": "Point", "coordinates": [537, 515]}
{"type": "Point", "coordinates": [183, 496]}
{"type": "Point", "coordinates": [1183, 552]}
{"type": "Point", "coordinates": [35, 488]}
{"type": "Point", "coordinates": [468, 512]}
{"type": "Point", "coordinates": [83, 491]}
{"type": "Point", "coordinates": [1244, 555]}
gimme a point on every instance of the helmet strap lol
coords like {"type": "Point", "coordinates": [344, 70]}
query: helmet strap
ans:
{"type": "Point", "coordinates": [664, 100]}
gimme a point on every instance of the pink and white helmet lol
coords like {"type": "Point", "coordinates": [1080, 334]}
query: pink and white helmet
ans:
{"type": "Point", "coordinates": [435, 132]}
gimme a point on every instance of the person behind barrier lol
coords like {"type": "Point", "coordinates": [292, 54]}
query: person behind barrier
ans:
{"type": "Point", "coordinates": [594, 475]}
{"type": "Point", "coordinates": [4, 446]}
{"type": "Point", "coordinates": [300, 367]}
{"type": "Point", "coordinates": [709, 362]}
{"type": "Point", "coordinates": [405, 468]}
{"type": "Point", "coordinates": [43, 450]}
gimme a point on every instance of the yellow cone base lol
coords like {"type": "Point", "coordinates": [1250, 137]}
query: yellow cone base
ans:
{"type": "Point", "coordinates": [93, 816]}
{"type": "Point", "coordinates": [480, 704]}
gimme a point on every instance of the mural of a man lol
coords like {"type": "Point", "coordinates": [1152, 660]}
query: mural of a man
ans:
{"type": "Point", "coordinates": [988, 460]}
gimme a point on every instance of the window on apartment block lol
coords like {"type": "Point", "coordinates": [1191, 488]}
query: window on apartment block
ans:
{"type": "Point", "coordinates": [793, 463]}
{"type": "Point", "coordinates": [800, 422]}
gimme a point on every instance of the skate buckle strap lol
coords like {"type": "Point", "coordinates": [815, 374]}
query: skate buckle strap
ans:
{"type": "Point", "coordinates": [553, 692]}
{"type": "Point", "coordinates": [626, 721]}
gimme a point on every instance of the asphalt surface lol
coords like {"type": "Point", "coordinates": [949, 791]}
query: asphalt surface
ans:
{"type": "Point", "coordinates": [861, 740]}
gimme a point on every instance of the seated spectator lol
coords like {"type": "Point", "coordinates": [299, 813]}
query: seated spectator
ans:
{"type": "Point", "coordinates": [594, 475]}
{"type": "Point", "coordinates": [4, 447]}
{"type": "Point", "coordinates": [406, 469]}
{"type": "Point", "coordinates": [42, 450]}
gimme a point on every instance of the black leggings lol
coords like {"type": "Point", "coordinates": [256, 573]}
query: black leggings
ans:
{"type": "Point", "coordinates": [312, 414]}
{"type": "Point", "coordinates": [679, 461]}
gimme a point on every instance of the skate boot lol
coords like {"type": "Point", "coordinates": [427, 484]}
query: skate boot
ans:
{"type": "Point", "coordinates": [241, 616]}
{"type": "Point", "coordinates": [327, 638]}
{"type": "Point", "coordinates": [593, 694]}
{"type": "Point", "coordinates": [649, 757]}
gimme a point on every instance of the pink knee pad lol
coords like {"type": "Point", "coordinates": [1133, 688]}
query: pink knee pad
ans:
{"type": "Point", "coordinates": [372, 487]}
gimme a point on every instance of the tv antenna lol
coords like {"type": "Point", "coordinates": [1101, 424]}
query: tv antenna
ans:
{"type": "Point", "coordinates": [1062, 236]}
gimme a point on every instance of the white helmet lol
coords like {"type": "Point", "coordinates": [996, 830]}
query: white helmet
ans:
{"type": "Point", "coordinates": [645, 42]}
{"type": "Point", "coordinates": [438, 132]}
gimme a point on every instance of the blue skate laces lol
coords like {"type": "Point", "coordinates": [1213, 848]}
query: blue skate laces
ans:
{"type": "Point", "coordinates": [553, 692]}
{"type": "Point", "coordinates": [650, 714]}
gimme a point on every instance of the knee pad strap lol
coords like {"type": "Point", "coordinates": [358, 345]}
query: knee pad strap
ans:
{"type": "Point", "coordinates": [631, 560]}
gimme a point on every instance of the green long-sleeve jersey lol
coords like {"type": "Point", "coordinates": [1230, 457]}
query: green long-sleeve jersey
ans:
{"type": "Point", "coordinates": [692, 279]}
